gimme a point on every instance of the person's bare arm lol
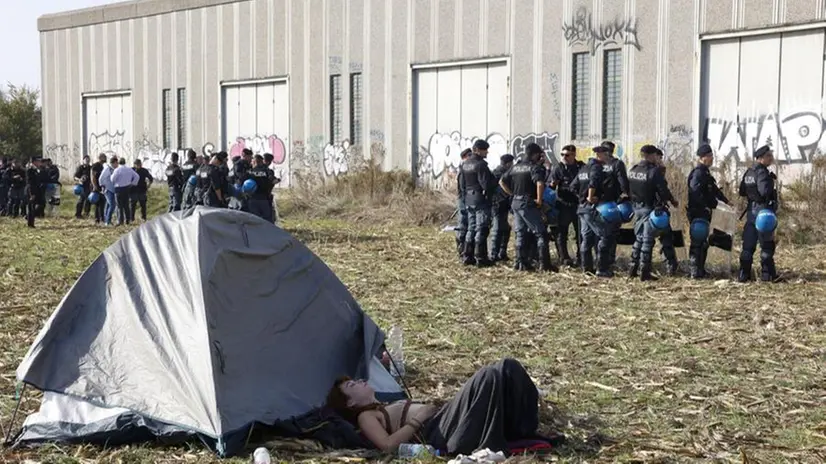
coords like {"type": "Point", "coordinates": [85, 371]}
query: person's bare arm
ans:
{"type": "Point", "coordinates": [372, 428]}
{"type": "Point", "coordinates": [505, 188]}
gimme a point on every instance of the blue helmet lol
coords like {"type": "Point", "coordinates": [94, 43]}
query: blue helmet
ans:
{"type": "Point", "coordinates": [660, 219]}
{"type": "Point", "coordinates": [549, 196]}
{"type": "Point", "coordinates": [93, 198]}
{"type": "Point", "coordinates": [699, 229]}
{"type": "Point", "coordinates": [626, 211]}
{"type": "Point", "coordinates": [609, 212]}
{"type": "Point", "coordinates": [249, 186]}
{"type": "Point", "coordinates": [766, 221]}
{"type": "Point", "coordinates": [78, 190]}
{"type": "Point", "coordinates": [192, 180]}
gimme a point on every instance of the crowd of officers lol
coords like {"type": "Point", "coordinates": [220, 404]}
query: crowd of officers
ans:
{"type": "Point", "coordinates": [116, 191]}
{"type": "Point", "coordinates": [212, 182]}
{"type": "Point", "coordinates": [517, 187]}
{"type": "Point", "coordinates": [24, 190]}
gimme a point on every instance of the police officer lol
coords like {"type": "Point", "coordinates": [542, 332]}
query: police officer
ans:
{"type": "Point", "coordinates": [175, 183]}
{"type": "Point", "coordinates": [461, 232]}
{"type": "Point", "coordinates": [264, 178]}
{"type": "Point", "coordinates": [525, 183]}
{"type": "Point", "coordinates": [500, 228]}
{"type": "Point", "coordinates": [138, 193]}
{"type": "Point", "coordinates": [616, 187]}
{"type": "Point", "coordinates": [703, 197]}
{"type": "Point", "coordinates": [560, 180]}
{"type": "Point", "coordinates": [83, 177]}
{"type": "Point", "coordinates": [95, 172]}
{"type": "Point", "coordinates": [210, 188]}
{"type": "Point", "coordinates": [188, 170]}
{"type": "Point", "coordinates": [476, 183]}
{"type": "Point", "coordinates": [758, 185]}
{"type": "Point", "coordinates": [666, 238]}
{"type": "Point", "coordinates": [35, 181]}
{"type": "Point", "coordinates": [52, 187]}
{"type": "Point", "coordinates": [590, 187]}
{"type": "Point", "coordinates": [4, 185]}
{"type": "Point", "coordinates": [268, 160]}
{"type": "Point", "coordinates": [648, 191]}
{"type": "Point", "coordinates": [16, 179]}
{"type": "Point", "coordinates": [237, 176]}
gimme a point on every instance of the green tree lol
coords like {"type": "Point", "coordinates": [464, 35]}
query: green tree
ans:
{"type": "Point", "coordinates": [21, 125]}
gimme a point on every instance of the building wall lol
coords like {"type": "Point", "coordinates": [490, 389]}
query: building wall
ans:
{"type": "Point", "coordinates": [204, 46]}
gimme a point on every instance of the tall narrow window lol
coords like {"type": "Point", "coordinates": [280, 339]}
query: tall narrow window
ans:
{"type": "Point", "coordinates": [581, 103]}
{"type": "Point", "coordinates": [182, 119]}
{"type": "Point", "coordinates": [167, 118]}
{"type": "Point", "coordinates": [336, 135]}
{"type": "Point", "coordinates": [355, 108]}
{"type": "Point", "coordinates": [612, 94]}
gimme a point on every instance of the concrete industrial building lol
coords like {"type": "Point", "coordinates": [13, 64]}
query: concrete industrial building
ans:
{"type": "Point", "coordinates": [321, 83]}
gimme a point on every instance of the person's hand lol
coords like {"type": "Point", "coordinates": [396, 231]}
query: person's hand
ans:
{"type": "Point", "coordinates": [592, 200]}
{"type": "Point", "coordinates": [31, 198]}
{"type": "Point", "coordinates": [538, 203]}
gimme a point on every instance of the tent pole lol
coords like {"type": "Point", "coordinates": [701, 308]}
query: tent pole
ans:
{"type": "Point", "coordinates": [13, 416]}
{"type": "Point", "coordinates": [404, 384]}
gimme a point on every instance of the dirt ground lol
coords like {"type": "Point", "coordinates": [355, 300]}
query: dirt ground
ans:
{"type": "Point", "coordinates": [672, 371]}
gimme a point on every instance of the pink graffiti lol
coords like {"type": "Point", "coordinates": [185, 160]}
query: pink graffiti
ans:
{"type": "Point", "coordinates": [260, 145]}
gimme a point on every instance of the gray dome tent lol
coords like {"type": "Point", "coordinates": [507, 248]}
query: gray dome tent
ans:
{"type": "Point", "coordinates": [200, 322]}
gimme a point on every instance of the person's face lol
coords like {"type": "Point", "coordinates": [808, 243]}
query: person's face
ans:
{"type": "Point", "coordinates": [603, 156]}
{"type": "Point", "coordinates": [358, 392]}
{"type": "Point", "coordinates": [102, 159]}
{"type": "Point", "coordinates": [707, 160]}
{"type": "Point", "coordinates": [659, 160]}
{"type": "Point", "coordinates": [569, 156]}
{"type": "Point", "coordinates": [256, 162]}
{"type": "Point", "coordinates": [768, 159]}
{"type": "Point", "coordinates": [85, 161]}
{"type": "Point", "coordinates": [481, 153]}
{"type": "Point", "coordinates": [508, 165]}
{"type": "Point", "coordinates": [114, 163]}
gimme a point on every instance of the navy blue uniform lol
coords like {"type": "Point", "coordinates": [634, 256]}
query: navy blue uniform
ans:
{"type": "Point", "coordinates": [16, 180]}
{"type": "Point", "coordinates": [83, 174]}
{"type": "Point", "coordinates": [476, 185]}
{"type": "Point", "coordinates": [703, 197]}
{"type": "Point", "coordinates": [4, 189]}
{"type": "Point", "coordinates": [562, 177]}
{"type": "Point", "coordinates": [758, 186]}
{"type": "Point", "coordinates": [461, 231]}
{"type": "Point", "coordinates": [500, 228]}
{"type": "Point", "coordinates": [259, 203]}
{"type": "Point", "coordinates": [210, 180]}
{"type": "Point", "coordinates": [188, 170]}
{"type": "Point", "coordinates": [175, 182]}
{"type": "Point", "coordinates": [595, 233]}
{"type": "Point", "coordinates": [36, 184]}
{"type": "Point", "coordinates": [100, 206]}
{"type": "Point", "coordinates": [237, 175]}
{"type": "Point", "coordinates": [649, 190]}
{"type": "Point", "coordinates": [616, 185]}
{"type": "Point", "coordinates": [137, 195]}
{"type": "Point", "coordinates": [522, 181]}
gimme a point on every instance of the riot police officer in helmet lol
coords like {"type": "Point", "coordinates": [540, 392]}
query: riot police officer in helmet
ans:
{"type": "Point", "coordinates": [758, 185]}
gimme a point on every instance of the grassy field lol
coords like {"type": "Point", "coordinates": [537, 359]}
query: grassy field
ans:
{"type": "Point", "coordinates": [673, 371]}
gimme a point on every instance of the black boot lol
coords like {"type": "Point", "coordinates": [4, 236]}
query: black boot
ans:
{"type": "Point", "coordinates": [634, 269]}
{"type": "Point", "coordinates": [467, 254]}
{"type": "Point", "coordinates": [701, 263]}
{"type": "Point", "coordinates": [645, 268]}
{"type": "Point", "coordinates": [503, 249]}
{"type": "Point", "coordinates": [520, 264]}
{"type": "Point", "coordinates": [545, 264]}
{"type": "Point", "coordinates": [745, 272]}
{"type": "Point", "coordinates": [481, 252]}
{"type": "Point", "coordinates": [588, 263]}
{"type": "Point", "coordinates": [671, 268]}
{"type": "Point", "coordinates": [460, 246]}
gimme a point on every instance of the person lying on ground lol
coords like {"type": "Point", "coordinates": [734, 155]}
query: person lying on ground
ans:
{"type": "Point", "coordinates": [497, 405]}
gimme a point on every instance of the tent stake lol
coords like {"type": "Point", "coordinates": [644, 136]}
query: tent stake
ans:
{"type": "Point", "coordinates": [14, 416]}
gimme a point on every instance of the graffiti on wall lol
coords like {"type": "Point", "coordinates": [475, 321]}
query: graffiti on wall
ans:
{"type": "Point", "coordinates": [109, 143]}
{"type": "Point", "coordinates": [678, 145]}
{"type": "Point", "coordinates": [795, 137]}
{"type": "Point", "coordinates": [441, 158]}
{"type": "Point", "coordinates": [545, 140]}
{"type": "Point", "coordinates": [336, 158]}
{"type": "Point", "coordinates": [261, 145]}
{"type": "Point", "coordinates": [555, 93]}
{"type": "Point", "coordinates": [583, 30]}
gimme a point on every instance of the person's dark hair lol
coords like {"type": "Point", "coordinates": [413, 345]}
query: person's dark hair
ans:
{"type": "Point", "coordinates": [268, 158]}
{"type": "Point", "coordinates": [191, 155]}
{"type": "Point", "coordinates": [174, 157]}
{"type": "Point", "coordinates": [609, 145]}
{"type": "Point", "coordinates": [465, 153]}
{"type": "Point", "coordinates": [337, 401]}
{"type": "Point", "coordinates": [569, 148]}
{"type": "Point", "coordinates": [259, 158]}
{"type": "Point", "coordinates": [114, 159]}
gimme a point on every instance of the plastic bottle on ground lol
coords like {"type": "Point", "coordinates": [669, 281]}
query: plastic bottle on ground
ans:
{"type": "Point", "coordinates": [261, 456]}
{"type": "Point", "coordinates": [395, 340]}
{"type": "Point", "coordinates": [412, 450]}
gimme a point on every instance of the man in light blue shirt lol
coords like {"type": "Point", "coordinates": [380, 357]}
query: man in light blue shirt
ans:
{"type": "Point", "coordinates": [105, 181]}
{"type": "Point", "coordinates": [124, 178]}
